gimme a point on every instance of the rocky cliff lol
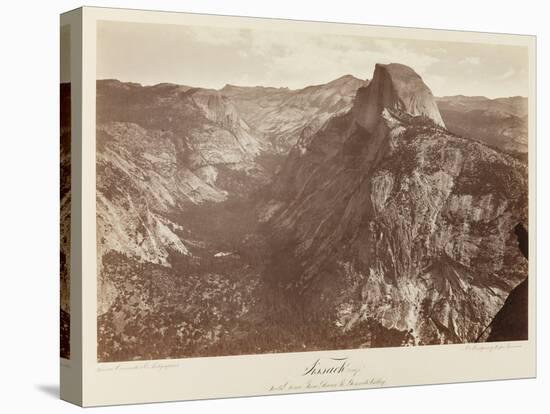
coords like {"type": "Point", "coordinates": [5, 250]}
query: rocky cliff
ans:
{"type": "Point", "coordinates": [396, 222]}
{"type": "Point", "coordinates": [398, 87]}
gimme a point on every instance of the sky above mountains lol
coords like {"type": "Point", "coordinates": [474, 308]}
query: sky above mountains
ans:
{"type": "Point", "coordinates": [214, 56]}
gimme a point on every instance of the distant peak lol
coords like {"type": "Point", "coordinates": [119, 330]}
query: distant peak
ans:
{"type": "Point", "coordinates": [117, 83]}
{"type": "Point", "coordinates": [231, 87]}
{"type": "Point", "coordinates": [464, 98]}
{"type": "Point", "coordinates": [394, 86]}
{"type": "Point", "coordinates": [345, 79]}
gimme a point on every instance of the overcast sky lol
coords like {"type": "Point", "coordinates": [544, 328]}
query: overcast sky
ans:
{"type": "Point", "coordinates": [212, 57]}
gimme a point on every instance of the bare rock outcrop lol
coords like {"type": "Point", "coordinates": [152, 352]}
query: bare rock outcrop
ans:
{"type": "Point", "coordinates": [398, 87]}
{"type": "Point", "coordinates": [399, 222]}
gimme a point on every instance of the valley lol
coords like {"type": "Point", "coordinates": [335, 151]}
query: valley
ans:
{"type": "Point", "coordinates": [259, 220]}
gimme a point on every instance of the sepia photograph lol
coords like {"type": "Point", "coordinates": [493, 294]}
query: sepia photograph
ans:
{"type": "Point", "coordinates": [263, 191]}
{"type": "Point", "coordinates": [269, 207]}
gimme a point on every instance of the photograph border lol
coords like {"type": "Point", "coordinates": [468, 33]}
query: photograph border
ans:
{"type": "Point", "coordinates": [281, 373]}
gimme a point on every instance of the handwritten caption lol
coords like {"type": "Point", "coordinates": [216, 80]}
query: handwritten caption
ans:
{"type": "Point", "coordinates": [491, 347]}
{"type": "Point", "coordinates": [329, 373]}
{"type": "Point", "coordinates": [153, 365]}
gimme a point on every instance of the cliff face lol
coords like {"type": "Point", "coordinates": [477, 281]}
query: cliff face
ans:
{"type": "Point", "coordinates": [398, 222]}
{"type": "Point", "coordinates": [396, 87]}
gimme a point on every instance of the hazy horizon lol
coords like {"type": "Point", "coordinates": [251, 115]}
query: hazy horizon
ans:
{"type": "Point", "coordinates": [211, 57]}
{"type": "Point", "coordinates": [295, 89]}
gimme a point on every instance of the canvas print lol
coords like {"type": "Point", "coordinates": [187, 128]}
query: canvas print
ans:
{"type": "Point", "coordinates": [267, 191]}
{"type": "Point", "coordinates": [65, 191]}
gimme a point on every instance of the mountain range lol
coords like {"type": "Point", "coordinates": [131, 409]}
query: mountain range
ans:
{"type": "Point", "coordinates": [351, 214]}
{"type": "Point", "coordinates": [500, 123]}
